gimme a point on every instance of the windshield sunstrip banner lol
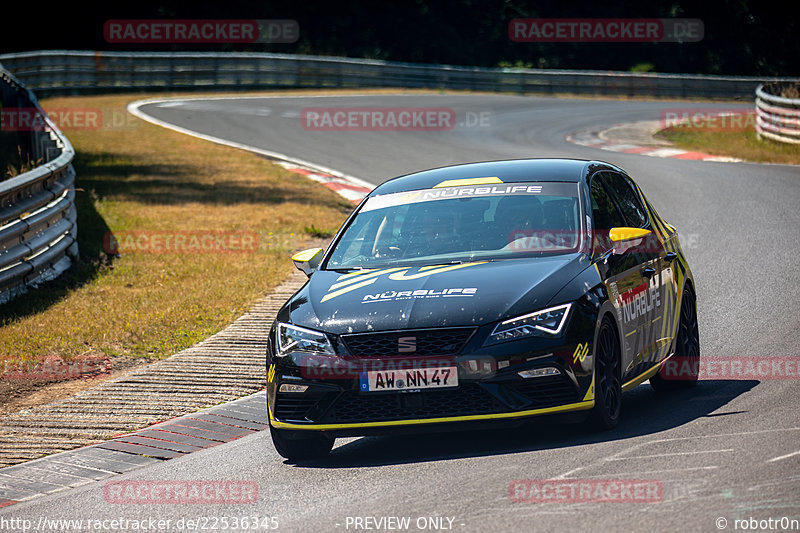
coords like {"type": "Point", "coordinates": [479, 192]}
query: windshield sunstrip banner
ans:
{"type": "Point", "coordinates": [471, 191]}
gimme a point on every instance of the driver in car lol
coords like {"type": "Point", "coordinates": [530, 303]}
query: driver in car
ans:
{"type": "Point", "coordinates": [433, 232]}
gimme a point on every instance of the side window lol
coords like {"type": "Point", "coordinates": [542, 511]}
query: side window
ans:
{"type": "Point", "coordinates": [627, 199]}
{"type": "Point", "coordinates": [605, 215]}
{"type": "Point", "coordinates": [604, 212]}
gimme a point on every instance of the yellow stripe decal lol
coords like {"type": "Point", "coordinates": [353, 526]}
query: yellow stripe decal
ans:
{"type": "Point", "coordinates": [579, 406]}
{"type": "Point", "coordinates": [590, 393]}
{"type": "Point", "coordinates": [667, 290]}
{"type": "Point", "coordinates": [356, 274]}
{"type": "Point", "coordinates": [401, 276]}
{"type": "Point", "coordinates": [395, 274]}
{"type": "Point", "coordinates": [347, 289]}
{"type": "Point", "coordinates": [654, 219]}
{"type": "Point", "coordinates": [372, 274]}
{"type": "Point", "coordinates": [468, 181]}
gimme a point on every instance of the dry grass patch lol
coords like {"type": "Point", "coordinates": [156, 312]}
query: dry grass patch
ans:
{"type": "Point", "coordinates": [740, 144]}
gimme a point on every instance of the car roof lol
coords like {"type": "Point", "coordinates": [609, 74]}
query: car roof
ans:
{"type": "Point", "coordinates": [508, 171]}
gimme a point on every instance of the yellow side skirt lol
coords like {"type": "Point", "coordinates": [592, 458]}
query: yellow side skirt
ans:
{"type": "Point", "coordinates": [579, 406]}
{"type": "Point", "coordinates": [647, 374]}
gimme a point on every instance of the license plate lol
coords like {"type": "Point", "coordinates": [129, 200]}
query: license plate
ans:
{"type": "Point", "coordinates": [415, 378]}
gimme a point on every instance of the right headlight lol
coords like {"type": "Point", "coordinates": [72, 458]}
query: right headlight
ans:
{"type": "Point", "coordinates": [292, 338]}
{"type": "Point", "coordinates": [545, 323]}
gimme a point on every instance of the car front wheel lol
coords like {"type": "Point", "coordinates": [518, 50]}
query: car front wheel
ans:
{"type": "Point", "coordinates": [608, 384]}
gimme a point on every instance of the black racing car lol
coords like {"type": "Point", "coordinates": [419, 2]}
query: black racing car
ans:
{"type": "Point", "coordinates": [489, 292]}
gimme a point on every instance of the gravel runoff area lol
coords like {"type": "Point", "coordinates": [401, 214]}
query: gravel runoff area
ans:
{"type": "Point", "coordinates": [224, 367]}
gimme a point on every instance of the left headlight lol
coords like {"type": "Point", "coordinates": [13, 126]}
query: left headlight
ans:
{"type": "Point", "coordinates": [545, 323]}
{"type": "Point", "coordinates": [296, 339]}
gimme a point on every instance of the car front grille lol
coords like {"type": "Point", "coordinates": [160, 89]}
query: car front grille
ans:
{"type": "Point", "coordinates": [425, 341]}
{"type": "Point", "coordinates": [467, 399]}
{"type": "Point", "coordinates": [471, 398]}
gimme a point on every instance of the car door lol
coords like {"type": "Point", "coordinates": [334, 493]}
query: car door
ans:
{"type": "Point", "coordinates": [656, 335]}
{"type": "Point", "coordinates": [621, 274]}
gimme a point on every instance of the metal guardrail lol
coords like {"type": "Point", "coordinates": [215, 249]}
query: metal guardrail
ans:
{"type": "Point", "coordinates": [67, 72]}
{"type": "Point", "coordinates": [777, 118]}
{"type": "Point", "coordinates": [38, 220]}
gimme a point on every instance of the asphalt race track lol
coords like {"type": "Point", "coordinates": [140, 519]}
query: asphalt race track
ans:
{"type": "Point", "coordinates": [727, 450]}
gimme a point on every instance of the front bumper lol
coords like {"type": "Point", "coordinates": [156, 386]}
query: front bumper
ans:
{"type": "Point", "coordinates": [490, 386]}
{"type": "Point", "coordinates": [337, 406]}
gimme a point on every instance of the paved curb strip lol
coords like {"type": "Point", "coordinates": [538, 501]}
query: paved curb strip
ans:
{"type": "Point", "coordinates": [341, 186]}
{"type": "Point", "coordinates": [616, 140]}
{"type": "Point", "coordinates": [173, 438]}
{"type": "Point", "coordinates": [224, 367]}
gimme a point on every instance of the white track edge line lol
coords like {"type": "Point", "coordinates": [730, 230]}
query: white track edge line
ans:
{"type": "Point", "coordinates": [133, 109]}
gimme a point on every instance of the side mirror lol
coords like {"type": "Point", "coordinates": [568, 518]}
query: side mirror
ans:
{"type": "Point", "coordinates": [627, 234]}
{"type": "Point", "coordinates": [307, 261]}
{"type": "Point", "coordinates": [626, 239]}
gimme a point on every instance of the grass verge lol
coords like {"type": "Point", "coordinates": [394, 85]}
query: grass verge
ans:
{"type": "Point", "coordinates": [136, 177]}
{"type": "Point", "coordinates": [740, 144]}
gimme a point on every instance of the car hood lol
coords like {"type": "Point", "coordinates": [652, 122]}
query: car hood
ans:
{"type": "Point", "coordinates": [430, 296]}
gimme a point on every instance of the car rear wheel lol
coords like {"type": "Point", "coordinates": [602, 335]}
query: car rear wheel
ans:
{"type": "Point", "coordinates": [300, 448]}
{"type": "Point", "coordinates": [608, 384]}
{"type": "Point", "coordinates": [681, 371]}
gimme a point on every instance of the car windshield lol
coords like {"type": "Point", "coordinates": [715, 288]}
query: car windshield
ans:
{"type": "Point", "coordinates": [457, 224]}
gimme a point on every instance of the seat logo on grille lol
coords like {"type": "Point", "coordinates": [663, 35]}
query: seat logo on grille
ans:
{"type": "Point", "coordinates": [406, 344]}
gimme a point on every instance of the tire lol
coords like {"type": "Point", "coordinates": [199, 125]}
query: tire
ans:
{"type": "Point", "coordinates": [608, 381]}
{"type": "Point", "coordinates": [687, 351]}
{"type": "Point", "coordinates": [307, 447]}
